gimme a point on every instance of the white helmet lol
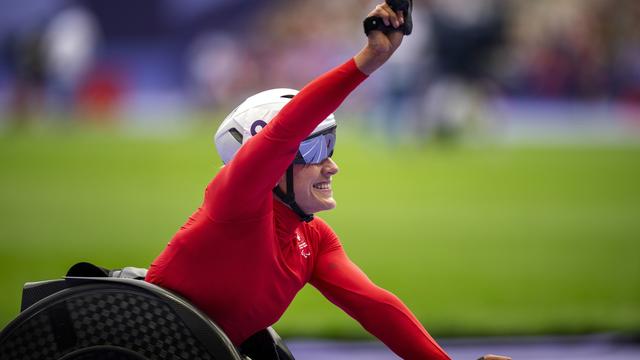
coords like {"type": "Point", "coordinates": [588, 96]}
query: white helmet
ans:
{"type": "Point", "coordinates": [253, 114]}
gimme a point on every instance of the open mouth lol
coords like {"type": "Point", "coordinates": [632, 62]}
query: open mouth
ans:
{"type": "Point", "coordinates": [322, 186]}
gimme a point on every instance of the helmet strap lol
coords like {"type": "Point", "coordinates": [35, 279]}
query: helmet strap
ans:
{"type": "Point", "coordinates": [289, 197]}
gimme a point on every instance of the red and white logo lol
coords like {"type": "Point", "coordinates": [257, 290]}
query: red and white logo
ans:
{"type": "Point", "coordinates": [305, 251]}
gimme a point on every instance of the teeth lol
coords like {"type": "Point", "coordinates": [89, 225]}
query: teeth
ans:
{"type": "Point", "coordinates": [322, 186]}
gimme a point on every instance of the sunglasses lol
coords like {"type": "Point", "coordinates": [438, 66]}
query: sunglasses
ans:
{"type": "Point", "coordinates": [315, 149]}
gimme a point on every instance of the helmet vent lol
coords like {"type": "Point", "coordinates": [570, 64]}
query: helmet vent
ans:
{"type": "Point", "coordinates": [287, 96]}
{"type": "Point", "coordinates": [236, 134]}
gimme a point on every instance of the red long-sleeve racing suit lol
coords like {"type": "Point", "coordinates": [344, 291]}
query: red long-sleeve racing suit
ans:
{"type": "Point", "coordinates": [243, 255]}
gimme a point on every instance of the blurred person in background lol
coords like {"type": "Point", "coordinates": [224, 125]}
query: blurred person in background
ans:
{"type": "Point", "coordinates": [71, 40]}
{"type": "Point", "coordinates": [26, 57]}
{"type": "Point", "coordinates": [245, 253]}
{"type": "Point", "coordinates": [465, 38]}
{"type": "Point", "coordinates": [396, 109]}
{"type": "Point", "coordinates": [48, 56]}
{"type": "Point", "coordinates": [443, 84]}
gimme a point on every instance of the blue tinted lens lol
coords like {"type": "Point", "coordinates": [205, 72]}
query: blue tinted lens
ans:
{"type": "Point", "coordinates": [317, 148]}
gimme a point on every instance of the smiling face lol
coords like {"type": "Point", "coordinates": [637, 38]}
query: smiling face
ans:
{"type": "Point", "coordinates": [312, 186]}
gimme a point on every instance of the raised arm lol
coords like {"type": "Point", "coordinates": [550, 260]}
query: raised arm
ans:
{"type": "Point", "coordinates": [242, 188]}
{"type": "Point", "coordinates": [380, 312]}
{"type": "Point", "coordinates": [380, 46]}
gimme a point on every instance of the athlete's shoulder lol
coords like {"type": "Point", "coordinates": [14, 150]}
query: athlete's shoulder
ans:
{"type": "Point", "coordinates": [326, 237]}
{"type": "Point", "coordinates": [320, 224]}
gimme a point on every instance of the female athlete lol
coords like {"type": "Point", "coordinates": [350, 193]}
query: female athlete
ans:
{"type": "Point", "coordinates": [254, 242]}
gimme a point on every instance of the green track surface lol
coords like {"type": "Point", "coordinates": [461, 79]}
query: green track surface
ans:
{"type": "Point", "coordinates": [477, 240]}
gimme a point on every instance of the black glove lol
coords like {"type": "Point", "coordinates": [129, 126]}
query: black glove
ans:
{"type": "Point", "coordinates": [375, 22]}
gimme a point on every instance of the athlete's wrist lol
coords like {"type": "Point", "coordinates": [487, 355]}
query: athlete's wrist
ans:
{"type": "Point", "coordinates": [369, 60]}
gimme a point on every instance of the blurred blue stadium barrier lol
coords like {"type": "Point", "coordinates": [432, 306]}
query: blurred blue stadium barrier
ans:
{"type": "Point", "coordinates": [591, 347]}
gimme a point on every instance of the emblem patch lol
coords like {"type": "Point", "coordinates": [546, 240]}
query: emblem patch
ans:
{"type": "Point", "coordinates": [305, 251]}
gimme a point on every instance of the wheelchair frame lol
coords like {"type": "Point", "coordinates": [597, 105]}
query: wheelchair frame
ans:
{"type": "Point", "coordinates": [105, 318]}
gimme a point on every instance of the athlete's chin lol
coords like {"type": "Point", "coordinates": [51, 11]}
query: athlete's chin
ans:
{"type": "Point", "coordinates": [324, 205]}
{"type": "Point", "coordinates": [330, 205]}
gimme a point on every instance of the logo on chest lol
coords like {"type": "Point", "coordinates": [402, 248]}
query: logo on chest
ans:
{"type": "Point", "coordinates": [304, 248]}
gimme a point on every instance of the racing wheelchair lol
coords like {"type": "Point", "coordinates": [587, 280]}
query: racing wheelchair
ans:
{"type": "Point", "coordinates": [99, 314]}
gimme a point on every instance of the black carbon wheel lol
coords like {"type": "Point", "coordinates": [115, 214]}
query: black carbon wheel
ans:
{"type": "Point", "coordinates": [103, 353]}
{"type": "Point", "coordinates": [104, 320]}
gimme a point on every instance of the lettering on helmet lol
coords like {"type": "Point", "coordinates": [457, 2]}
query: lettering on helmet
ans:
{"type": "Point", "coordinates": [255, 125]}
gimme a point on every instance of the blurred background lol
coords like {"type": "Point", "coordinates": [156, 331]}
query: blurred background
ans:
{"type": "Point", "coordinates": [489, 172]}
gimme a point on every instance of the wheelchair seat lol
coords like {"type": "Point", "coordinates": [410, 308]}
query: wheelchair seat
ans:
{"type": "Point", "coordinates": [108, 318]}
